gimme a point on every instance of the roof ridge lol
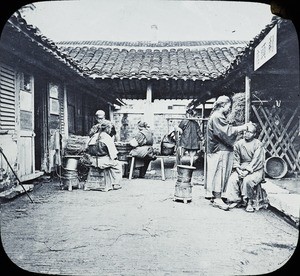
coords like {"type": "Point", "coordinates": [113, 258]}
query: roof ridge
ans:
{"type": "Point", "coordinates": [164, 43]}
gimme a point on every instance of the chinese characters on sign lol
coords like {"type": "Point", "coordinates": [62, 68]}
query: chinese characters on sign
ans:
{"type": "Point", "coordinates": [266, 49]}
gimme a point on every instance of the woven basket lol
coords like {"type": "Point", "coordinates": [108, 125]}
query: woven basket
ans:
{"type": "Point", "coordinates": [123, 150]}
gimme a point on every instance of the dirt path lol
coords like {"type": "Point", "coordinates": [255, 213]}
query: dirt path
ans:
{"type": "Point", "coordinates": [140, 230]}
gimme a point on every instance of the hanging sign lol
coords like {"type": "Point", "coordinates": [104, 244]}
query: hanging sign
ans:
{"type": "Point", "coordinates": [266, 49]}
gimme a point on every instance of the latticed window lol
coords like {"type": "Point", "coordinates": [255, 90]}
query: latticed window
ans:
{"type": "Point", "coordinates": [7, 98]}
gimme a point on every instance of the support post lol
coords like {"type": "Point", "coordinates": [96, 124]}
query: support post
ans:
{"type": "Point", "coordinates": [66, 119]}
{"type": "Point", "coordinates": [149, 114]}
{"type": "Point", "coordinates": [247, 98]}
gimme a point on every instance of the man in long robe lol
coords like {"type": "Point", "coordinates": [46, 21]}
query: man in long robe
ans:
{"type": "Point", "coordinates": [244, 184]}
{"type": "Point", "coordinates": [220, 139]}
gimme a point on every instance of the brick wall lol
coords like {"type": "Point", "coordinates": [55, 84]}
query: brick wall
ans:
{"type": "Point", "coordinates": [163, 124]}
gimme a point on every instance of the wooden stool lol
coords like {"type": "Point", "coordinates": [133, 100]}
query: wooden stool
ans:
{"type": "Point", "coordinates": [124, 168]}
{"type": "Point", "coordinates": [134, 163]}
{"type": "Point", "coordinates": [162, 164]}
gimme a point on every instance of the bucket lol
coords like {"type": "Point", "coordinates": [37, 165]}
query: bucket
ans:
{"type": "Point", "coordinates": [71, 162]}
{"type": "Point", "coordinates": [183, 186]}
{"type": "Point", "coordinates": [275, 167]}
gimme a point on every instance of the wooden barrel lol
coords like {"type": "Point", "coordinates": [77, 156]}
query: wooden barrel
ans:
{"type": "Point", "coordinates": [183, 186]}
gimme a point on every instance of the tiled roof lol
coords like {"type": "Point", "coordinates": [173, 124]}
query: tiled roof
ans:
{"type": "Point", "coordinates": [33, 34]}
{"type": "Point", "coordinates": [194, 60]}
{"type": "Point", "coordinates": [19, 34]}
{"type": "Point", "coordinates": [174, 60]}
{"type": "Point", "coordinates": [160, 61]}
{"type": "Point", "coordinates": [153, 45]}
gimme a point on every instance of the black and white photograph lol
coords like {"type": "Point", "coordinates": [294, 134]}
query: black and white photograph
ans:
{"type": "Point", "coordinates": [154, 137]}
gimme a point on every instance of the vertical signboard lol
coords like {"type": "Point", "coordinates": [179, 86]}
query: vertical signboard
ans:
{"type": "Point", "coordinates": [266, 49]}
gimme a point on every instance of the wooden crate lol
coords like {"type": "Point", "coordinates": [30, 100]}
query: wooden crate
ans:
{"type": "Point", "coordinates": [95, 179]}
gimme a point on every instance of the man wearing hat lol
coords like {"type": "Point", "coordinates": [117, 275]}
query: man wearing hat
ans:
{"type": "Point", "coordinates": [100, 116]}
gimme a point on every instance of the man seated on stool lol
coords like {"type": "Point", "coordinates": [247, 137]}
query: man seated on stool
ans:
{"type": "Point", "coordinates": [142, 144]}
{"type": "Point", "coordinates": [244, 184]}
{"type": "Point", "coordinates": [103, 155]}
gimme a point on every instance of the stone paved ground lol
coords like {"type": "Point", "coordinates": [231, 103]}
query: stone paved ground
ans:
{"type": "Point", "coordinates": [140, 230]}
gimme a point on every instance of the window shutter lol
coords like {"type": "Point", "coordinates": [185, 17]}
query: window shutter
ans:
{"type": "Point", "coordinates": [7, 98]}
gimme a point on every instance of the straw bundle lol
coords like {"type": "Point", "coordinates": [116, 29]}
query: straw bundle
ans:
{"type": "Point", "coordinates": [237, 114]}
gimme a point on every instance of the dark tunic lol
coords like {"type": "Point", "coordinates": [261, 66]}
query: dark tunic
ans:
{"type": "Point", "coordinates": [144, 149]}
{"type": "Point", "coordinates": [220, 135]}
{"type": "Point", "coordinates": [144, 137]}
{"type": "Point", "coordinates": [191, 135]}
{"type": "Point", "coordinates": [220, 139]}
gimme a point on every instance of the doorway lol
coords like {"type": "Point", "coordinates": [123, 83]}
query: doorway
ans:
{"type": "Point", "coordinates": [41, 123]}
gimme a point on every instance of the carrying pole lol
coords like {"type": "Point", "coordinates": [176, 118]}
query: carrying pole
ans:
{"type": "Point", "coordinates": [1, 150]}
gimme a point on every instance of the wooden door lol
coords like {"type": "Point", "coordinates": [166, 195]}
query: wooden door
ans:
{"type": "Point", "coordinates": [26, 156]}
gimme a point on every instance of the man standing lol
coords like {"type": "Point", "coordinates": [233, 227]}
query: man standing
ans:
{"type": "Point", "coordinates": [220, 139]}
{"type": "Point", "coordinates": [248, 171]}
{"type": "Point", "coordinates": [190, 136]}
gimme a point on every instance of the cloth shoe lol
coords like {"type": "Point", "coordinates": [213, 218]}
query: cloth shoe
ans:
{"type": "Point", "coordinates": [211, 199]}
{"type": "Point", "coordinates": [220, 204]}
{"type": "Point", "coordinates": [249, 208]}
{"type": "Point", "coordinates": [117, 187]}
